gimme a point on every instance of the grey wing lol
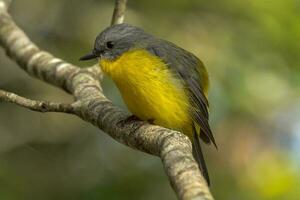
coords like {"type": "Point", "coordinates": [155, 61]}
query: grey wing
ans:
{"type": "Point", "coordinates": [187, 66]}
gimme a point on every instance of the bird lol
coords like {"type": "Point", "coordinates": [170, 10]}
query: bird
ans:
{"type": "Point", "coordinates": [159, 82]}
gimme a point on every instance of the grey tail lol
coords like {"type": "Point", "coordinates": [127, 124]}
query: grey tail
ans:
{"type": "Point", "coordinates": [198, 155]}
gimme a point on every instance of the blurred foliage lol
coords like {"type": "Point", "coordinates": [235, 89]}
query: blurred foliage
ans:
{"type": "Point", "coordinates": [251, 49]}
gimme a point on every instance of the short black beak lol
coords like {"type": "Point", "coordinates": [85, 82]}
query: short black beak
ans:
{"type": "Point", "coordinates": [88, 56]}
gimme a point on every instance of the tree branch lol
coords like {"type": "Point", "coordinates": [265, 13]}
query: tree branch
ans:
{"type": "Point", "coordinates": [119, 12]}
{"type": "Point", "coordinates": [39, 106]}
{"type": "Point", "coordinates": [91, 105]}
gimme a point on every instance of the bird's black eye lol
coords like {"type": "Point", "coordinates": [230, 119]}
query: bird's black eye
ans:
{"type": "Point", "coordinates": [109, 44]}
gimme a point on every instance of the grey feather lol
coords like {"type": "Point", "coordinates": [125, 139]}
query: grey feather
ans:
{"type": "Point", "coordinates": [184, 65]}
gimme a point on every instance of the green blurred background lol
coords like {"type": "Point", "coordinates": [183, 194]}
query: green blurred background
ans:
{"type": "Point", "coordinates": [252, 51]}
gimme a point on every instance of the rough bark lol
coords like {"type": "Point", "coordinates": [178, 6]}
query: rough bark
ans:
{"type": "Point", "coordinates": [91, 105]}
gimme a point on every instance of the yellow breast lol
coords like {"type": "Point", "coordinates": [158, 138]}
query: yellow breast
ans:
{"type": "Point", "coordinates": [149, 89]}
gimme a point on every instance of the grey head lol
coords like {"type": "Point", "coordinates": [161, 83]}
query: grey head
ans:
{"type": "Point", "coordinates": [118, 39]}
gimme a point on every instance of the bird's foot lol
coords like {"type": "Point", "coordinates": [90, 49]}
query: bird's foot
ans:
{"type": "Point", "coordinates": [128, 119]}
{"type": "Point", "coordinates": [151, 121]}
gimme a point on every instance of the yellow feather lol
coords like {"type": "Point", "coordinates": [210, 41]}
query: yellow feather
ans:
{"type": "Point", "coordinates": [150, 90]}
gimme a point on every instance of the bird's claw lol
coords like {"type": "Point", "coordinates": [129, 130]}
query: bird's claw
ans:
{"type": "Point", "coordinates": [128, 119]}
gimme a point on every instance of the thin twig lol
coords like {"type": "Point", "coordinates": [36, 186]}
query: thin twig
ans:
{"type": "Point", "coordinates": [119, 12]}
{"type": "Point", "coordinates": [39, 106]}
